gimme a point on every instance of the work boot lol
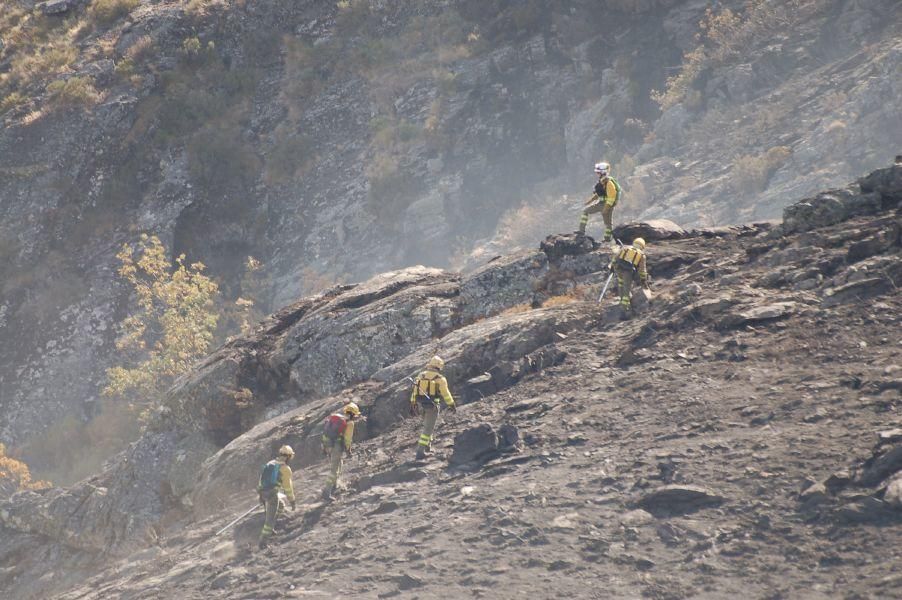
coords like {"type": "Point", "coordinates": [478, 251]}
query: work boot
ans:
{"type": "Point", "coordinates": [421, 452]}
{"type": "Point", "coordinates": [262, 543]}
{"type": "Point", "coordinates": [327, 493]}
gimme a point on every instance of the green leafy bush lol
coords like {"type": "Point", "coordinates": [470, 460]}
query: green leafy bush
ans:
{"type": "Point", "coordinates": [171, 328]}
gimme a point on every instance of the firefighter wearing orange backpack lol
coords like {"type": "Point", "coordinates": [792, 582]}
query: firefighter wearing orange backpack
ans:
{"type": "Point", "coordinates": [274, 489]}
{"type": "Point", "coordinates": [338, 435]}
{"type": "Point", "coordinates": [425, 398]}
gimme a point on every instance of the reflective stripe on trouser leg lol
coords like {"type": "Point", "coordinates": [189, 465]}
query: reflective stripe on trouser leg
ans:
{"type": "Point", "coordinates": [583, 221]}
{"type": "Point", "coordinates": [430, 416]}
{"type": "Point", "coordinates": [607, 213]}
{"type": "Point", "coordinates": [337, 460]}
{"type": "Point", "coordinates": [272, 509]}
{"type": "Point", "coordinates": [625, 283]}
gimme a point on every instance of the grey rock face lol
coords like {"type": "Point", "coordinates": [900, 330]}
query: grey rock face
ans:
{"type": "Point", "coordinates": [880, 190]}
{"type": "Point", "coordinates": [383, 329]}
{"type": "Point", "coordinates": [57, 7]}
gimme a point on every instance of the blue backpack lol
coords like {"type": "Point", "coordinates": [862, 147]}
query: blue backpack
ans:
{"type": "Point", "coordinates": [270, 476]}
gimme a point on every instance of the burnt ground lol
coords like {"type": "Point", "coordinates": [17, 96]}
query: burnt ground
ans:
{"type": "Point", "coordinates": [749, 401]}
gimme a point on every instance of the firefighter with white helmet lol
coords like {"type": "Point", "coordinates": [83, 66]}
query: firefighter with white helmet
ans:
{"type": "Point", "coordinates": [604, 198]}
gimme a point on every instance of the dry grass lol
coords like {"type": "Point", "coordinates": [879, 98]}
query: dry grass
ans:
{"type": "Point", "coordinates": [726, 36]}
{"type": "Point", "coordinates": [105, 12]}
{"type": "Point", "coordinates": [517, 309]}
{"type": "Point", "coordinates": [75, 91]}
{"type": "Point", "coordinates": [562, 300]}
{"type": "Point", "coordinates": [751, 173]}
{"type": "Point", "coordinates": [12, 101]}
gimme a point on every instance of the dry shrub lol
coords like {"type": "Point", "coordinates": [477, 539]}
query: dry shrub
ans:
{"type": "Point", "coordinates": [561, 300]}
{"type": "Point", "coordinates": [46, 62]}
{"type": "Point", "coordinates": [75, 91]}
{"type": "Point", "coordinates": [726, 36]}
{"type": "Point", "coordinates": [16, 476]}
{"type": "Point", "coordinates": [751, 173]}
{"type": "Point", "coordinates": [106, 12]}
{"type": "Point", "coordinates": [12, 101]}
{"type": "Point", "coordinates": [142, 50]}
{"type": "Point", "coordinates": [517, 309]}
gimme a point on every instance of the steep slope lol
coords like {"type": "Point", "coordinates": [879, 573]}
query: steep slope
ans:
{"type": "Point", "coordinates": [739, 437]}
{"type": "Point", "coordinates": [336, 140]}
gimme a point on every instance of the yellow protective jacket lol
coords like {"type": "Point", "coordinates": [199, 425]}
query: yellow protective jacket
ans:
{"type": "Point", "coordinates": [433, 384]}
{"type": "Point", "coordinates": [285, 484]}
{"type": "Point", "coordinates": [634, 257]}
{"type": "Point", "coordinates": [606, 190]}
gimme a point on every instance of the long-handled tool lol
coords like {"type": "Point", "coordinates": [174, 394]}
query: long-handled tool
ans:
{"type": "Point", "coordinates": [244, 514]}
{"type": "Point", "coordinates": [605, 288]}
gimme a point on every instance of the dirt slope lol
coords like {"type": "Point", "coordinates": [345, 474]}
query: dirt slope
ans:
{"type": "Point", "coordinates": [676, 455]}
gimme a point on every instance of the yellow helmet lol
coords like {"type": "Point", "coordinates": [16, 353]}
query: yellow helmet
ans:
{"type": "Point", "coordinates": [436, 363]}
{"type": "Point", "coordinates": [639, 243]}
{"type": "Point", "coordinates": [286, 450]}
{"type": "Point", "coordinates": [351, 409]}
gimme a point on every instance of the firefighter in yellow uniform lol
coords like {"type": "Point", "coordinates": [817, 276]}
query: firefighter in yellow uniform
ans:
{"type": "Point", "coordinates": [275, 490]}
{"type": "Point", "coordinates": [425, 397]}
{"type": "Point", "coordinates": [629, 265]}
{"type": "Point", "coordinates": [603, 200]}
{"type": "Point", "coordinates": [340, 446]}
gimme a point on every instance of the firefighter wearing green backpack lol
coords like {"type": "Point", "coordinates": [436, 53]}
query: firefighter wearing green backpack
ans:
{"type": "Point", "coordinates": [603, 200]}
{"type": "Point", "coordinates": [274, 489]}
{"type": "Point", "coordinates": [338, 435]}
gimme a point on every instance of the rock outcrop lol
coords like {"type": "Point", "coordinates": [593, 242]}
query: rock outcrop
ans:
{"type": "Point", "coordinates": [687, 434]}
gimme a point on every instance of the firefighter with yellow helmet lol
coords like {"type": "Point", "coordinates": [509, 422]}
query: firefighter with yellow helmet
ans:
{"type": "Point", "coordinates": [424, 397]}
{"type": "Point", "coordinates": [274, 489]}
{"type": "Point", "coordinates": [338, 436]}
{"type": "Point", "coordinates": [629, 264]}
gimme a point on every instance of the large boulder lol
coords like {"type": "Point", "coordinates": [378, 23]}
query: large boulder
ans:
{"type": "Point", "coordinates": [886, 182]}
{"type": "Point", "coordinates": [679, 499]}
{"type": "Point", "coordinates": [475, 444]}
{"type": "Point", "coordinates": [829, 208]}
{"type": "Point", "coordinates": [651, 231]}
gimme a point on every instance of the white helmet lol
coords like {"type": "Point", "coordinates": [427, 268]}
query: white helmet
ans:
{"type": "Point", "coordinates": [602, 168]}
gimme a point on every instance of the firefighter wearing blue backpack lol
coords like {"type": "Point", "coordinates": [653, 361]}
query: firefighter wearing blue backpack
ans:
{"type": "Point", "coordinates": [604, 199]}
{"type": "Point", "coordinates": [338, 435]}
{"type": "Point", "coordinates": [425, 398]}
{"type": "Point", "coordinates": [274, 489]}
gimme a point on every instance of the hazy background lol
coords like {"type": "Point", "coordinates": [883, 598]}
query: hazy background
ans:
{"type": "Point", "coordinates": [334, 140]}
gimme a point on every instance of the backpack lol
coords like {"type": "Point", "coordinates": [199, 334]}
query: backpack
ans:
{"type": "Point", "coordinates": [270, 476]}
{"type": "Point", "coordinates": [618, 188]}
{"type": "Point", "coordinates": [334, 426]}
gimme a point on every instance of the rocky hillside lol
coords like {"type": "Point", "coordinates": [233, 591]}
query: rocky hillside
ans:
{"type": "Point", "coordinates": [336, 140]}
{"type": "Point", "coordinates": [740, 436]}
